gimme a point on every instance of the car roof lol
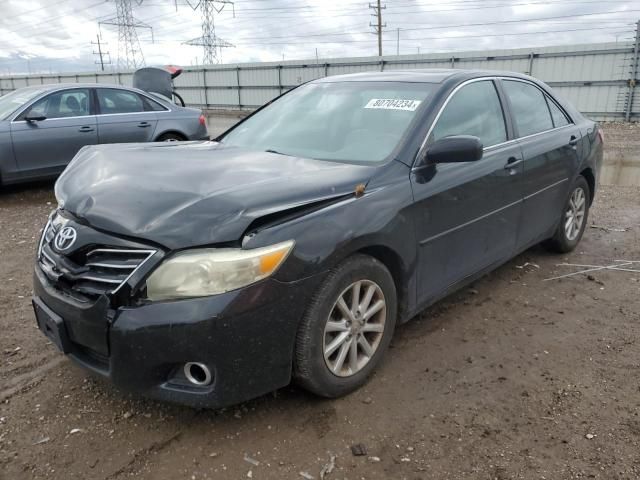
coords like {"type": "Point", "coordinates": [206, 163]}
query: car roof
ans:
{"type": "Point", "coordinates": [427, 75]}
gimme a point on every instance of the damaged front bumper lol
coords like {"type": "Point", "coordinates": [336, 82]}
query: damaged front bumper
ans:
{"type": "Point", "coordinates": [245, 337]}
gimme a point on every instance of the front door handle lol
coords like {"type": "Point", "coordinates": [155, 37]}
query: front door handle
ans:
{"type": "Point", "coordinates": [86, 129]}
{"type": "Point", "coordinates": [144, 124]}
{"type": "Point", "coordinates": [512, 163]}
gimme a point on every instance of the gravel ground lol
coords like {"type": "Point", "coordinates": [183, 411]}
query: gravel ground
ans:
{"type": "Point", "coordinates": [514, 377]}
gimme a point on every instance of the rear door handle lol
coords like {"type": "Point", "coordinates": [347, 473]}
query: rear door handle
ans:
{"type": "Point", "coordinates": [573, 141]}
{"type": "Point", "coordinates": [144, 124]}
{"type": "Point", "coordinates": [512, 163]}
{"type": "Point", "coordinates": [86, 129]}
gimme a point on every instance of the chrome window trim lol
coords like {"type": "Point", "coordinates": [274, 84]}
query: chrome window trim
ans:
{"type": "Point", "coordinates": [515, 140]}
{"type": "Point", "coordinates": [57, 118]}
{"type": "Point", "coordinates": [497, 145]}
{"type": "Point", "coordinates": [115, 87]}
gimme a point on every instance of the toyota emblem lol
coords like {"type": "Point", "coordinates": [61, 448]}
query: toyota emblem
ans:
{"type": "Point", "coordinates": [65, 238]}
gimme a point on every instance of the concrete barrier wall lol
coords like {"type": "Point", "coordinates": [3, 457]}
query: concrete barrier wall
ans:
{"type": "Point", "coordinates": [594, 77]}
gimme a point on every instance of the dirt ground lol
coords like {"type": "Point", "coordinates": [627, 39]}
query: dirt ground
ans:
{"type": "Point", "coordinates": [515, 377]}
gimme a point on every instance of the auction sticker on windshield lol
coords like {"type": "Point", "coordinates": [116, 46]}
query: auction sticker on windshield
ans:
{"type": "Point", "coordinates": [393, 104]}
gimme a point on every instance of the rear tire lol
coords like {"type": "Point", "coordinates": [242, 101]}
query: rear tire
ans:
{"type": "Point", "coordinates": [341, 341]}
{"type": "Point", "coordinates": [170, 137]}
{"type": "Point", "coordinates": [573, 219]}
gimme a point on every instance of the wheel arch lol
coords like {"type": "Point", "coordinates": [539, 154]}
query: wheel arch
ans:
{"type": "Point", "coordinates": [394, 263]}
{"type": "Point", "coordinates": [169, 132]}
{"type": "Point", "coordinates": [588, 175]}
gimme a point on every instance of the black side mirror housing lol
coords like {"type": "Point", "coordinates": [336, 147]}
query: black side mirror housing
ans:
{"type": "Point", "coordinates": [35, 118]}
{"type": "Point", "coordinates": [457, 148]}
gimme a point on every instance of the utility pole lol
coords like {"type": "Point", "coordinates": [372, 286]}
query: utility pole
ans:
{"type": "Point", "coordinates": [211, 43]}
{"type": "Point", "coordinates": [635, 66]}
{"type": "Point", "coordinates": [378, 26]}
{"type": "Point", "coordinates": [398, 42]}
{"type": "Point", "coordinates": [129, 51]}
{"type": "Point", "coordinates": [100, 54]}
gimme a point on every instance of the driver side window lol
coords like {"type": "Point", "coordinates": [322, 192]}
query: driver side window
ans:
{"type": "Point", "coordinates": [475, 110]}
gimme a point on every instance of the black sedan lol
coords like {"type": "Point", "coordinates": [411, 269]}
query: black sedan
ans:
{"type": "Point", "coordinates": [210, 273]}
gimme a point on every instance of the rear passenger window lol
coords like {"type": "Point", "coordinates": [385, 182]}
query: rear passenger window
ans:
{"type": "Point", "coordinates": [558, 116]}
{"type": "Point", "coordinates": [475, 110]}
{"type": "Point", "coordinates": [119, 101]}
{"type": "Point", "coordinates": [529, 108]}
{"type": "Point", "coordinates": [152, 105]}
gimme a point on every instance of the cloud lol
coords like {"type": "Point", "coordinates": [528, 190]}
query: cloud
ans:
{"type": "Point", "coordinates": [56, 35]}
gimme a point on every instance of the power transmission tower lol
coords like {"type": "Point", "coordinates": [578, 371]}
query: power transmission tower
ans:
{"type": "Point", "coordinates": [129, 51]}
{"type": "Point", "coordinates": [378, 26]}
{"type": "Point", "coordinates": [101, 54]}
{"type": "Point", "coordinates": [211, 43]}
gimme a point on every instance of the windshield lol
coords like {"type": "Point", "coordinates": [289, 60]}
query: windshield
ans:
{"type": "Point", "coordinates": [10, 102]}
{"type": "Point", "coordinates": [342, 121]}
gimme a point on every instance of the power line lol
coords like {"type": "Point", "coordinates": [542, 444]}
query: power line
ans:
{"type": "Point", "coordinates": [34, 10]}
{"type": "Point", "coordinates": [341, 41]}
{"type": "Point", "coordinates": [439, 27]}
{"type": "Point", "coordinates": [129, 51]}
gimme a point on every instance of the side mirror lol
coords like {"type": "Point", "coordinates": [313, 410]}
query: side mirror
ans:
{"type": "Point", "coordinates": [458, 148]}
{"type": "Point", "coordinates": [34, 118]}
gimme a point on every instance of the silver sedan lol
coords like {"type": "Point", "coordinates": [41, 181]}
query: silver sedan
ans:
{"type": "Point", "coordinates": [42, 127]}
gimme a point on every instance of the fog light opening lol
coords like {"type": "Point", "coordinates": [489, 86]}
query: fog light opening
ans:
{"type": "Point", "coordinates": [197, 373]}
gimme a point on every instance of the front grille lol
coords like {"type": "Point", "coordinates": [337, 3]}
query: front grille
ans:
{"type": "Point", "coordinates": [90, 271]}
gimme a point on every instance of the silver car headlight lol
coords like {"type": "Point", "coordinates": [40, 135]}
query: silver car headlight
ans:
{"type": "Point", "coordinates": [210, 271]}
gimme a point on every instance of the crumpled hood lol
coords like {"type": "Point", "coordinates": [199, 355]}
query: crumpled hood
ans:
{"type": "Point", "coordinates": [198, 193]}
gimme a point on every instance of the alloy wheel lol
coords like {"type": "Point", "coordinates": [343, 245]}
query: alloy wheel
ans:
{"type": "Point", "coordinates": [354, 328]}
{"type": "Point", "coordinates": [574, 215]}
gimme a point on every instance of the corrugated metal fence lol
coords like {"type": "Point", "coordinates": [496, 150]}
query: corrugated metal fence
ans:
{"type": "Point", "coordinates": [599, 79]}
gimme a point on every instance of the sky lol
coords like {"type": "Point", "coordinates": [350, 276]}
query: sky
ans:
{"type": "Point", "coordinates": [51, 36]}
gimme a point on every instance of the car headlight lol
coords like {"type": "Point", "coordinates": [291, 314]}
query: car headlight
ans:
{"type": "Point", "coordinates": [210, 271]}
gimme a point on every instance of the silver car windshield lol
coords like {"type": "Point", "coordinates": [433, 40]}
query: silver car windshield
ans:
{"type": "Point", "coordinates": [343, 121]}
{"type": "Point", "coordinates": [11, 102]}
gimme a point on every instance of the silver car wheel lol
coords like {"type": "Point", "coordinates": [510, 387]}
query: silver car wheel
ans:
{"type": "Point", "coordinates": [574, 216]}
{"type": "Point", "coordinates": [354, 328]}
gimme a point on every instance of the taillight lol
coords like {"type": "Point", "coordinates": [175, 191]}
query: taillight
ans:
{"type": "Point", "coordinates": [601, 135]}
{"type": "Point", "coordinates": [202, 120]}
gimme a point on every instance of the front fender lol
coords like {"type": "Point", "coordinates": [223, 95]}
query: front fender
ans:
{"type": "Point", "coordinates": [379, 218]}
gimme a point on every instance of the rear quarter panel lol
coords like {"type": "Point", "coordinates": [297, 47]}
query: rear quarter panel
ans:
{"type": "Point", "coordinates": [592, 151]}
{"type": "Point", "coordinates": [183, 121]}
{"type": "Point", "coordinates": [7, 160]}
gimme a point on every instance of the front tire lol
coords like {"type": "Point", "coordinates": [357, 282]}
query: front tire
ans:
{"type": "Point", "coordinates": [347, 328]}
{"type": "Point", "coordinates": [574, 219]}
